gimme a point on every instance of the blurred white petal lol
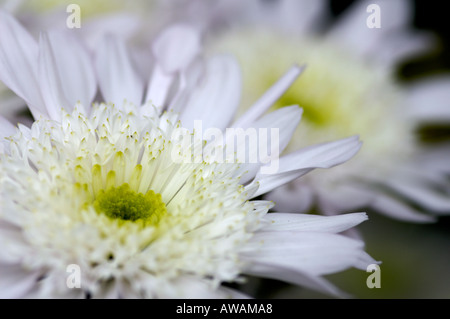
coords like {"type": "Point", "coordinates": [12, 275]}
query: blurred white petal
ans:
{"type": "Point", "coordinates": [18, 67]}
{"type": "Point", "coordinates": [117, 77]}
{"type": "Point", "coordinates": [217, 96]}
{"type": "Point", "coordinates": [307, 222]}
{"type": "Point", "coordinates": [268, 98]}
{"type": "Point", "coordinates": [352, 31]}
{"type": "Point", "coordinates": [311, 252]}
{"type": "Point", "coordinates": [428, 100]}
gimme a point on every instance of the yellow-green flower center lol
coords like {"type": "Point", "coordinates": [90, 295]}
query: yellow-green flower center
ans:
{"type": "Point", "coordinates": [124, 203]}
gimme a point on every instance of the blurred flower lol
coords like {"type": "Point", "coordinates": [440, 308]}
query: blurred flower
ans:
{"type": "Point", "coordinates": [98, 187]}
{"type": "Point", "coordinates": [137, 21]}
{"type": "Point", "coordinates": [348, 88]}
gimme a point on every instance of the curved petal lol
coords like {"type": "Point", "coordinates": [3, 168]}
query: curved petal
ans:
{"type": "Point", "coordinates": [195, 288]}
{"type": "Point", "coordinates": [174, 50]}
{"type": "Point", "coordinates": [6, 128]}
{"type": "Point", "coordinates": [176, 47]}
{"type": "Point", "coordinates": [422, 194]}
{"type": "Point", "coordinates": [15, 282]}
{"type": "Point", "coordinates": [292, 15]}
{"type": "Point", "coordinates": [269, 97]}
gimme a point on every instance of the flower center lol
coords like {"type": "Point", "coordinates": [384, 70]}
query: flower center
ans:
{"type": "Point", "coordinates": [124, 203]}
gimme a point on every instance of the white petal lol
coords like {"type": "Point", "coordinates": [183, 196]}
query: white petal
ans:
{"type": "Point", "coordinates": [422, 194]}
{"type": "Point", "coordinates": [50, 79]}
{"type": "Point", "coordinates": [117, 78]}
{"type": "Point", "coordinates": [11, 5]}
{"type": "Point", "coordinates": [429, 100]}
{"type": "Point", "coordinates": [303, 161]}
{"type": "Point", "coordinates": [292, 16]}
{"type": "Point", "coordinates": [195, 288]}
{"type": "Point", "coordinates": [174, 50]}
{"type": "Point", "coordinates": [342, 198]}
{"type": "Point", "coordinates": [122, 25]}
{"type": "Point", "coordinates": [399, 46]}
{"type": "Point", "coordinates": [312, 252]}
{"type": "Point", "coordinates": [295, 197]}
{"type": "Point", "coordinates": [11, 104]}
{"type": "Point", "coordinates": [15, 282]}
{"type": "Point", "coordinates": [307, 222]}
{"type": "Point", "coordinates": [14, 244]}
{"type": "Point", "coordinates": [6, 128]}
{"type": "Point", "coordinates": [176, 47]}
{"type": "Point", "coordinates": [217, 97]}
{"type": "Point", "coordinates": [269, 97]}
{"type": "Point", "coordinates": [391, 207]}
{"type": "Point", "coordinates": [158, 88]}
{"type": "Point", "coordinates": [299, 16]}
{"type": "Point", "coordinates": [232, 293]}
{"type": "Point", "coordinates": [188, 82]}
{"type": "Point", "coordinates": [66, 65]}
{"type": "Point", "coordinates": [285, 120]}
{"type": "Point", "coordinates": [435, 159]}
{"type": "Point", "coordinates": [18, 63]}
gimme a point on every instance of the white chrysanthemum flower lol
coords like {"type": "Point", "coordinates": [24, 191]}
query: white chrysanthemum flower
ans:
{"type": "Point", "coordinates": [99, 189]}
{"type": "Point", "coordinates": [349, 88]}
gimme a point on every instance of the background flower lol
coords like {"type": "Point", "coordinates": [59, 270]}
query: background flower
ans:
{"type": "Point", "coordinates": [99, 187]}
{"type": "Point", "coordinates": [406, 245]}
{"type": "Point", "coordinates": [350, 88]}
{"type": "Point", "coordinates": [414, 251]}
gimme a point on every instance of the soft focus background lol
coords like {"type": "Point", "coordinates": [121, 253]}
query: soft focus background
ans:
{"type": "Point", "coordinates": [415, 257]}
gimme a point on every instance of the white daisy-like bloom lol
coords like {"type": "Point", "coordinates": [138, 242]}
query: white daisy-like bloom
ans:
{"type": "Point", "coordinates": [349, 88]}
{"type": "Point", "coordinates": [97, 189]}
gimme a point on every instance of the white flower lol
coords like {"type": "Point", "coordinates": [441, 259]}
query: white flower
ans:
{"type": "Point", "coordinates": [98, 187]}
{"type": "Point", "coordinates": [349, 88]}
